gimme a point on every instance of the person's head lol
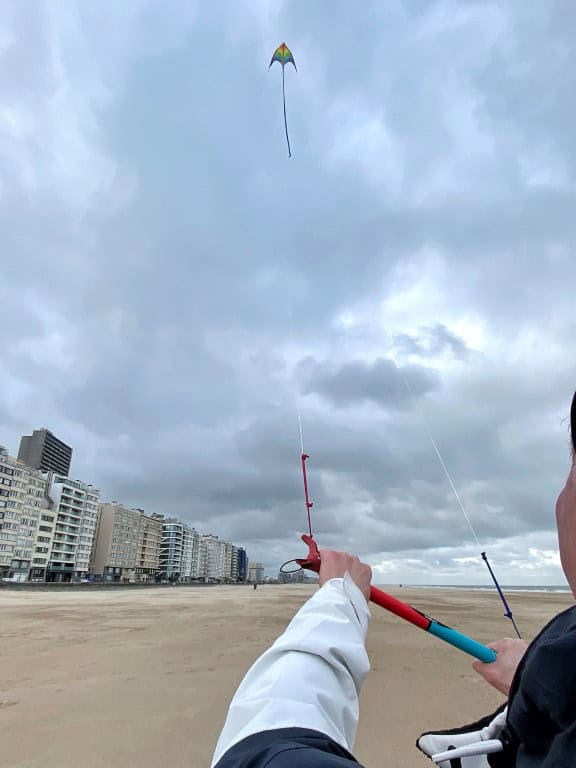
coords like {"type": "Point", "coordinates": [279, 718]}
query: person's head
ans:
{"type": "Point", "coordinates": [566, 512]}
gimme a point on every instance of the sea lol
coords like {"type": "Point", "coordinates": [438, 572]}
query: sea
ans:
{"type": "Point", "coordinates": [486, 588]}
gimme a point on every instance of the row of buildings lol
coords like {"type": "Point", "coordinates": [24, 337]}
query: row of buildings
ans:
{"type": "Point", "coordinates": [53, 528]}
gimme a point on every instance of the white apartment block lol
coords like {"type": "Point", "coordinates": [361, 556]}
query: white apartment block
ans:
{"type": "Point", "coordinates": [187, 556]}
{"type": "Point", "coordinates": [127, 544]}
{"type": "Point", "coordinates": [255, 572]}
{"type": "Point", "coordinates": [213, 558]}
{"type": "Point", "coordinates": [26, 525]}
{"type": "Point", "coordinates": [75, 505]}
{"type": "Point", "coordinates": [190, 553]}
{"type": "Point", "coordinates": [219, 560]}
{"type": "Point", "coordinates": [232, 561]}
{"type": "Point", "coordinates": [235, 563]}
{"type": "Point", "coordinates": [179, 551]}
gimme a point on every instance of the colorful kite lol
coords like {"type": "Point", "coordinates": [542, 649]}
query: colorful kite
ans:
{"type": "Point", "coordinates": [283, 55]}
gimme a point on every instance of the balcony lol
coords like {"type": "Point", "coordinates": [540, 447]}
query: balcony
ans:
{"type": "Point", "coordinates": [68, 509]}
{"type": "Point", "coordinates": [71, 534]}
{"type": "Point", "coordinates": [70, 522]}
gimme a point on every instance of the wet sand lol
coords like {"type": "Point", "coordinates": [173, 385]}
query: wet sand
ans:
{"type": "Point", "coordinates": [142, 679]}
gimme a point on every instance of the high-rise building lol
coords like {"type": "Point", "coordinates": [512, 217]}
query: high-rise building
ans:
{"type": "Point", "coordinates": [232, 561]}
{"type": "Point", "coordinates": [75, 507]}
{"type": "Point", "coordinates": [255, 573]}
{"type": "Point", "coordinates": [26, 523]}
{"type": "Point", "coordinates": [43, 450]}
{"type": "Point", "coordinates": [179, 551]}
{"type": "Point", "coordinates": [213, 558]}
{"type": "Point", "coordinates": [242, 564]}
{"type": "Point", "coordinates": [221, 560]}
{"type": "Point", "coordinates": [126, 545]}
{"type": "Point", "coordinates": [150, 543]}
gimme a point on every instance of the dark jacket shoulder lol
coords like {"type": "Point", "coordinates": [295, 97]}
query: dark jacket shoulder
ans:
{"type": "Point", "coordinates": [286, 748]}
{"type": "Point", "coordinates": [542, 704]}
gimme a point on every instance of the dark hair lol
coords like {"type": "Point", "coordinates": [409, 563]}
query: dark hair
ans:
{"type": "Point", "coordinates": [573, 423]}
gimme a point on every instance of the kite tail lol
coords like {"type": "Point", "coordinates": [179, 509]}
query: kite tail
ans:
{"type": "Point", "coordinates": [285, 120]}
{"type": "Point", "coordinates": [508, 611]}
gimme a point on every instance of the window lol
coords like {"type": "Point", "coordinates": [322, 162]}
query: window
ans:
{"type": "Point", "coordinates": [43, 538]}
{"type": "Point", "coordinates": [48, 518]}
{"type": "Point", "coordinates": [45, 528]}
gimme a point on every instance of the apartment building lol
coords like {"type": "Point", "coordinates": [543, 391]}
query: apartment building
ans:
{"type": "Point", "coordinates": [126, 545]}
{"type": "Point", "coordinates": [150, 543]}
{"type": "Point", "coordinates": [231, 561]}
{"type": "Point", "coordinates": [26, 523]}
{"type": "Point", "coordinates": [235, 563]}
{"type": "Point", "coordinates": [221, 561]}
{"type": "Point", "coordinates": [75, 507]}
{"type": "Point", "coordinates": [43, 450]}
{"type": "Point", "coordinates": [179, 551]}
{"type": "Point", "coordinates": [242, 564]}
{"type": "Point", "coordinates": [186, 555]}
{"type": "Point", "coordinates": [255, 573]}
{"type": "Point", "coordinates": [213, 558]}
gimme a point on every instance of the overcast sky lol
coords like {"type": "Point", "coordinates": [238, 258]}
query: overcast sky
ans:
{"type": "Point", "coordinates": [174, 287]}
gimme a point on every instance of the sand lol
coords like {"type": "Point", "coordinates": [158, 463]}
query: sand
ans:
{"type": "Point", "coordinates": [143, 678]}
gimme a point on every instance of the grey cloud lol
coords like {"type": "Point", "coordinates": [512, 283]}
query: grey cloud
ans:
{"type": "Point", "coordinates": [432, 342]}
{"type": "Point", "coordinates": [357, 381]}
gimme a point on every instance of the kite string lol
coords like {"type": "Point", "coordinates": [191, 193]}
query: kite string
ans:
{"type": "Point", "coordinates": [303, 454]}
{"type": "Point", "coordinates": [299, 412]}
{"type": "Point", "coordinates": [420, 412]}
{"type": "Point", "coordinates": [432, 441]}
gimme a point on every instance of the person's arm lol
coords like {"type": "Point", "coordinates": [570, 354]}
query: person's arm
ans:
{"type": "Point", "coordinates": [311, 676]}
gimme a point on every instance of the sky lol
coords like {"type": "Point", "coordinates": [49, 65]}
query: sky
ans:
{"type": "Point", "coordinates": [175, 290]}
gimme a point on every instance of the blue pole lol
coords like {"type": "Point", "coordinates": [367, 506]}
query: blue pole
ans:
{"type": "Point", "coordinates": [508, 611]}
{"type": "Point", "coordinates": [464, 643]}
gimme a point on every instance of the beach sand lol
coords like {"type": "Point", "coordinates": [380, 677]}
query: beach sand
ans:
{"type": "Point", "coordinates": [142, 678]}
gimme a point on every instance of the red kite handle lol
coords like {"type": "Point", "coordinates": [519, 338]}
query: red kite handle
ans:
{"type": "Point", "coordinates": [378, 596]}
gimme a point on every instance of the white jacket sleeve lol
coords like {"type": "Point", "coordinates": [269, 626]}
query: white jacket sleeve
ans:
{"type": "Point", "coordinates": [312, 674]}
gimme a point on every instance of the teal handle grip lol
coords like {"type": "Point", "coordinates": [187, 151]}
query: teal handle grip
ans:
{"type": "Point", "coordinates": [465, 643]}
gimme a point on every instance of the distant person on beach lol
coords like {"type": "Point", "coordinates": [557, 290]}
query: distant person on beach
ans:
{"type": "Point", "coordinates": [538, 725]}
{"type": "Point", "coordinates": [298, 705]}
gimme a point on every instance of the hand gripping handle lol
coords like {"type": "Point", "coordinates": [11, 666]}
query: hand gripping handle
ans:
{"type": "Point", "coordinates": [406, 612]}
